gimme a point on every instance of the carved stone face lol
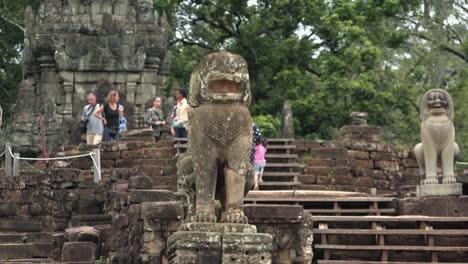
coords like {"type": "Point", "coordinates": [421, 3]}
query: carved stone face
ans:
{"type": "Point", "coordinates": [220, 77]}
{"type": "Point", "coordinates": [437, 99]}
{"type": "Point", "coordinates": [436, 102]}
{"type": "Point", "coordinates": [145, 10]}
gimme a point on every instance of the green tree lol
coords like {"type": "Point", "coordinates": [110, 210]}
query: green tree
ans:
{"type": "Point", "coordinates": [328, 57]}
{"type": "Point", "coordinates": [11, 49]}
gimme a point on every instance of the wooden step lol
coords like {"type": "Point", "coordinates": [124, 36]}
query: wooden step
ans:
{"type": "Point", "coordinates": [185, 145]}
{"type": "Point", "coordinates": [391, 247]}
{"type": "Point", "coordinates": [282, 165]}
{"type": "Point", "coordinates": [378, 262]}
{"type": "Point", "coordinates": [351, 211]}
{"type": "Point", "coordinates": [280, 156]}
{"type": "Point", "coordinates": [280, 174]}
{"type": "Point", "coordinates": [435, 232]}
{"type": "Point", "coordinates": [281, 146]}
{"type": "Point", "coordinates": [272, 140]}
{"type": "Point", "coordinates": [326, 199]}
{"type": "Point", "coordinates": [411, 218]}
{"type": "Point", "coordinates": [277, 140]}
{"type": "Point", "coordinates": [285, 183]}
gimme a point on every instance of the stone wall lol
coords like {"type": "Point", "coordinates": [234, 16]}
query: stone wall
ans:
{"type": "Point", "coordinates": [358, 162]}
{"type": "Point", "coordinates": [140, 198]}
{"type": "Point", "coordinates": [46, 201]}
{"type": "Point", "coordinates": [72, 45]}
{"type": "Point", "coordinates": [133, 207]}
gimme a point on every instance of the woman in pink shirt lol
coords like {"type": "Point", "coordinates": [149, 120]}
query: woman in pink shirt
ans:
{"type": "Point", "coordinates": [259, 160]}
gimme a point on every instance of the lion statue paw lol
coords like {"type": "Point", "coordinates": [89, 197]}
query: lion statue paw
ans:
{"type": "Point", "coordinates": [233, 215]}
{"type": "Point", "coordinates": [205, 216]}
{"type": "Point", "coordinates": [449, 180]}
{"type": "Point", "coordinates": [430, 181]}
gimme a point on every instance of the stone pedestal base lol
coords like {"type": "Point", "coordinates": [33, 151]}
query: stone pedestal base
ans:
{"type": "Point", "coordinates": [444, 189]}
{"type": "Point", "coordinates": [219, 243]}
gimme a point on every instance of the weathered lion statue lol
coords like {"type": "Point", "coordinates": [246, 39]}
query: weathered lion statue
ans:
{"type": "Point", "coordinates": [437, 137]}
{"type": "Point", "coordinates": [220, 136]}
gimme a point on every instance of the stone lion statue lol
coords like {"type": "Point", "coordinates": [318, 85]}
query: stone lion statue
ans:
{"type": "Point", "coordinates": [437, 137]}
{"type": "Point", "coordinates": [220, 136]}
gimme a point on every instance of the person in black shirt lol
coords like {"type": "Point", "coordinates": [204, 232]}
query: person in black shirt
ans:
{"type": "Point", "coordinates": [112, 113]}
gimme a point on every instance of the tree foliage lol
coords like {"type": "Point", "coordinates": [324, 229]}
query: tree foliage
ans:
{"type": "Point", "coordinates": [328, 57]}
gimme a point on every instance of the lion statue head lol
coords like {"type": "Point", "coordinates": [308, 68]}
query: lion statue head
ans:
{"type": "Point", "coordinates": [436, 102]}
{"type": "Point", "coordinates": [220, 77]}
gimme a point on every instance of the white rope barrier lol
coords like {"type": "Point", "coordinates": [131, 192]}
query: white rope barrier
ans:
{"type": "Point", "coordinates": [55, 158]}
{"type": "Point", "coordinates": [3, 153]}
{"type": "Point", "coordinates": [462, 163]}
{"type": "Point", "coordinates": [90, 154]}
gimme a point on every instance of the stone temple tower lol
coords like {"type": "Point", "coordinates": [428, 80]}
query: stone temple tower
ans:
{"type": "Point", "coordinates": [72, 45]}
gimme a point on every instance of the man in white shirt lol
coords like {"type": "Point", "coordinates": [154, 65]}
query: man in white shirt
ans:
{"type": "Point", "coordinates": [179, 125]}
{"type": "Point", "coordinates": [94, 125]}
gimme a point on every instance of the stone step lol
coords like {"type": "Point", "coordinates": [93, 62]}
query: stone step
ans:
{"type": "Point", "coordinates": [29, 261]}
{"type": "Point", "coordinates": [19, 225]}
{"type": "Point", "coordinates": [151, 170]}
{"type": "Point", "coordinates": [21, 238]}
{"type": "Point", "coordinates": [172, 188]}
{"type": "Point", "coordinates": [91, 220]}
{"type": "Point", "coordinates": [139, 196]}
{"type": "Point", "coordinates": [164, 180]}
{"type": "Point", "coordinates": [27, 250]}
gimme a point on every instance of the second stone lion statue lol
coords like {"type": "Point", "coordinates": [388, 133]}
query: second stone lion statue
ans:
{"type": "Point", "coordinates": [220, 136]}
{"type": "Point", "coordinates": [437, 137]}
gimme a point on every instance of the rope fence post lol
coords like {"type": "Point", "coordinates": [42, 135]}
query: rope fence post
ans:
{"type": "Point", "coordinates": [16, 162]}
{"type": "Point", "coordinates": [8, 161]}
{"type": "Point", "coordinates": [96, 155]}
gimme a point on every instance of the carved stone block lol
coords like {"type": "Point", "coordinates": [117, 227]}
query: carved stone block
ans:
{"type": "Point", "coordinates": [219, 243]}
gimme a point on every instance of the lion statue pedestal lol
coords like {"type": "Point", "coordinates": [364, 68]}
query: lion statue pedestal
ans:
{"type": "Point", "coordinates": [437, 145]}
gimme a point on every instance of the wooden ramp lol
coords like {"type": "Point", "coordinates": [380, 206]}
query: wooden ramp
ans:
{"type": "Point", "coordinates": [390, 239]}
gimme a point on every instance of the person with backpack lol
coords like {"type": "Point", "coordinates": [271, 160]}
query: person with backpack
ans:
{"type": "Point", "coordinates": [91, 125]}
{"type": "Point", "coordinates": [259, 160]}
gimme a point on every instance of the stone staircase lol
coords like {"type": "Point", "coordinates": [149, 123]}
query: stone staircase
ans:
{"type": "Point", "coordinates": [22, 238]}
{"type": "Point", "coordinates": [282, 170]}
{"type": "Point", "coordinates": [28, 246]}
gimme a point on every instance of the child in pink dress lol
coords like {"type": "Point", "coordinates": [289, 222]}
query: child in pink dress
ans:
{"type": "Point", "coordinates": [259, 160]}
